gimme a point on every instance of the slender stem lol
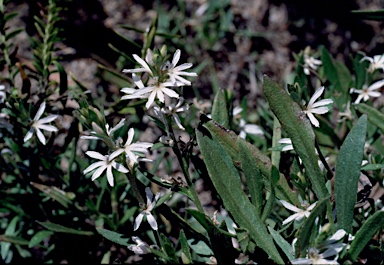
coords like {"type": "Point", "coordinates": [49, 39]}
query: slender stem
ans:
{"type": "Point", "coordinates": [114, 206]}
{"type": "Point", "coordinates": [184, 167]}
{"type": "Point", "coordinates": [322, 159]}
{"type": "Point", "coordinates": [132, 181]}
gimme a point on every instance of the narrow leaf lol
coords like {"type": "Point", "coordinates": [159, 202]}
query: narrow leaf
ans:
{"type": "Point", "coordinates": [219, 109]}
{"type": "Point", "coordinates": [38, 237]}
{"type": "Point", "coordinates": [347, 173]}
{"type": "Point", "coordinates": [369, 14]}
{"type": "Point", "coordinates": [227, 182]}
{"type": "Point", "coordinates": [374, 116]}
{"type": "Point", "coordinates": [306, 231]}
{"type": "Point", "coordinates": [54, 193]}
{"type": "Point", "coordinates": [252, 175]}
{"type": "Point", "coordinates": [329, 67]}
{"type": "Point", "coordinates": [13, 239]}
{"type": "Point", "coordinates": [369, 228]}
{"type": "Point", "coordinates": [229, 141]}
{"type": "Point", "coordinates": [187, 259]}
{"type": "Point", "coordinates": [62, 229]}
{"type": "Point", "coordinates": [282, 243]}
{"type": "Point", "coordinates": [113, 236]}
{"type": "Point", "coordinates": [299, 129]}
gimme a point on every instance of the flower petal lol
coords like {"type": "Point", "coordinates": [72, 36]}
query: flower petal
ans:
{"type": "Point", "coordinates": [138, 221]}
{"type": "Point", "coordinates": [152, 221]}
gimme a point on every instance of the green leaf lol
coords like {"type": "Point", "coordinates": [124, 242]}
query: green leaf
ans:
{"type": "Point", "coordinates": [275, 175]}
{"type": "Point", "coordinates": [372, 167]}
{"type": "Point", "coordinates": [306, 231]}
{"type": "Point", "coordinates": [219, 109]}
{"type": "Point", "coordinates": [299, 129]}
{"type": "Point", "coordinates": [282, 243]}
{"type": "Point", "coordinates": [360, 69]}
{"type": "Point", "coordinates": [252, 175]}
{"type": "Point", "coordinates": [62, 229]}
{"type": "Point", "coordinates": [38, 237]}
{"type": "Point", "coordinates": [186, 252]}
{"type": "Point", "coordinates": [13, 239]}
{"type": "Point", "coordinates": [113, 236]}
{"type": "Point", "coordinates": [374, 116]}
{"type": "Point", "coordinates": [329, 67]}
{"type": "Point", "coordinates": [229, 141]}
{"type": "Point", "coordinates": [201, 248]}
{"type": "Point", "coordinates": [347, 173]}
{"type": "Point", "coordinates": [220, 239]}
{"type": "Point", "coordinates": [369, 228]}
{"type": "Point", "coordinates": [168, 248]}
{"type": "Point", "coordinates": [369, 14]}
{"type": "Point", "coordinates": [54, 193]}
{"type": "Point", "coordinates": [63, 77]}
{"type": "Point", "coordinates": [227, 183]}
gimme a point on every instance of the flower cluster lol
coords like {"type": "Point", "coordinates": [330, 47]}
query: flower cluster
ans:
{"type": "Point", "coordinates": [163, 76]}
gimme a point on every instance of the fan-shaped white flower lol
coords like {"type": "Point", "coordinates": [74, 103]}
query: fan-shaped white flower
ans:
{"type": "Point", "coordinates": [287, 142]}
{"type": "Point", "coordinates": [2, 93]}
{"type": "Point", "coordinates": [249, 129]}
{"type": "Point", "coordinates": [173, 109]}
{"type": "Point", "coordinates": [367, 91]}
{"type": "Point", "coordinates": [174, 72]}
{"type": "Point", "coordinates": [376, 62]}
{"type": "Point", "coordinates": [147, 211]}
{"type": "Point", "coordinates": [132, 150]}
{"type": "Point", "coordinates": [141, 247]}
{"type": "Point", "coordinates": [144, 64]}
{"type": "Point", "coordinates": [299, 213]}
{"type": "Point", "coordinates": [106, 163]}
{"type": "Point", "coordinates": [318, 107]}
{"type": "Point", "coordinates": [109, 131]}
{"type": "Point", "coordinates": [310, 62]}
{"type": "Point", "coordinates": [40, 124]}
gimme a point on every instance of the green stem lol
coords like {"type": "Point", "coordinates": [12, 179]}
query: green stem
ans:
{"type": "Point", "coordinates": [184, 167]}
{"type": "Point", "coordinates": [114, 205]}
{"type": "Point", "coordinates": [132, 181]}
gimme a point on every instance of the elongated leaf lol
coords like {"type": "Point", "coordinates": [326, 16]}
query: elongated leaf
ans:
{"type": "Point", "coordinates": [54, 193]}
{"type": "Point", "coordinates": [229, 141]}
{"type": "Point", "coordinates": [306, 231]}
{"type": "Point", "coordinates": [252, 175]}
{"type": "Point", "coordinates": [299, 129]}
{"type": "Point", "coordinates": [374, 116]}
{"type": "Point", "coordinates": [219, 109]}
{"type": "Point", "coordinates": [329, 67]}
{"type": "Point", "coordinates": [62, 229]}
{"type": "Point", "coordinates": [369, 14]}
{"type": "Point", "coordinates": [14, 240]}
{"type": "Point", "coordinates": [227, 182]}
{"type": "Point", "coordinates": [168, 248]}
{"type": "Point", "coordinates": [369, 228]}
{"type": "Point", "coordinates": [220, 239]}
{"type": "Point", "coordinates": [282, 243]}
{"type": "Point", "coordinates": [38, 237]}
{"type": "Point", "coordinates": [186, 251]}
{"type": "Point", "coordinates": [347, 173]}
{"type": "Point", "coordinates": [360, 69]}
{"type": "Point", "coordinates": [113, 236]}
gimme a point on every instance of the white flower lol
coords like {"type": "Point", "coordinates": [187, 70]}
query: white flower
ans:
{"type": "Point", "coordinates": [106, 162]}
{"type": "Point", "coordinates": [131, 91]}
{"type": "Point", "coordinates": [156, 89]}
{"type": "Point", "coordinates": [173, 109]}
{"type": "Point", "coordinates": [310, 62]}
{"type": "Point", "coordinates": [141, 247]}
{"type": "Point", "coordinates": [38, 125]}
{"type": "Point", "coordinates": [346, 114]}
{"type": "Point", "coordinates": [2, 93]}
{"type": "Point", "coordinates": [316, 108]}
{"type": "Point", "coordinates": [132, 150]}
{"type": "Point", "coordinates": [299, 213]}
{"type": "Point", "coordinates": [287, 142]}
{"type": "Point", "coordinates": [249, 129]}
{"type": "Point", "coordinates": [377, 62]}
{"type": "Point", "coordinates": [313, 257]}
{"type": "Point", "coordinates": [109, 131]}
{"type": "Point", "coordinates": [144, 64]}
{"type": "Point", "coordinates": [175, 73]}
{"type": "Point", "coordinates": [367, 91]}
{"type": "Point", "coordinates": [147, 211]}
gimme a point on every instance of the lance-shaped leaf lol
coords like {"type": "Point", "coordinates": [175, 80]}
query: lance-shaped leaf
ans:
{"type": "Point", "coordinates": [369, 228]}
{"type": "Point", "coordinates": [230, 142]}
{"type": "Point", "coordinates": [347, 173]}
{"type": "Point", "coordinates": [113, 236]}
{"type": "Point", "coordinates": [299, 129]}
{"type": "Point", "coordinates": [227, 183]}
{"type": "Point", "coordinates": [55, 193]}
{"type": "Point", "coordinates": [62, 229]}
{"type": "Point", "coordinates": [219, 109]}
{"type": "Point", "coordinates": [306, 231]}
{"type": "Point", "coordinates": [282, 243]}
{"type": "Point", "coordinates": [374, 116]}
